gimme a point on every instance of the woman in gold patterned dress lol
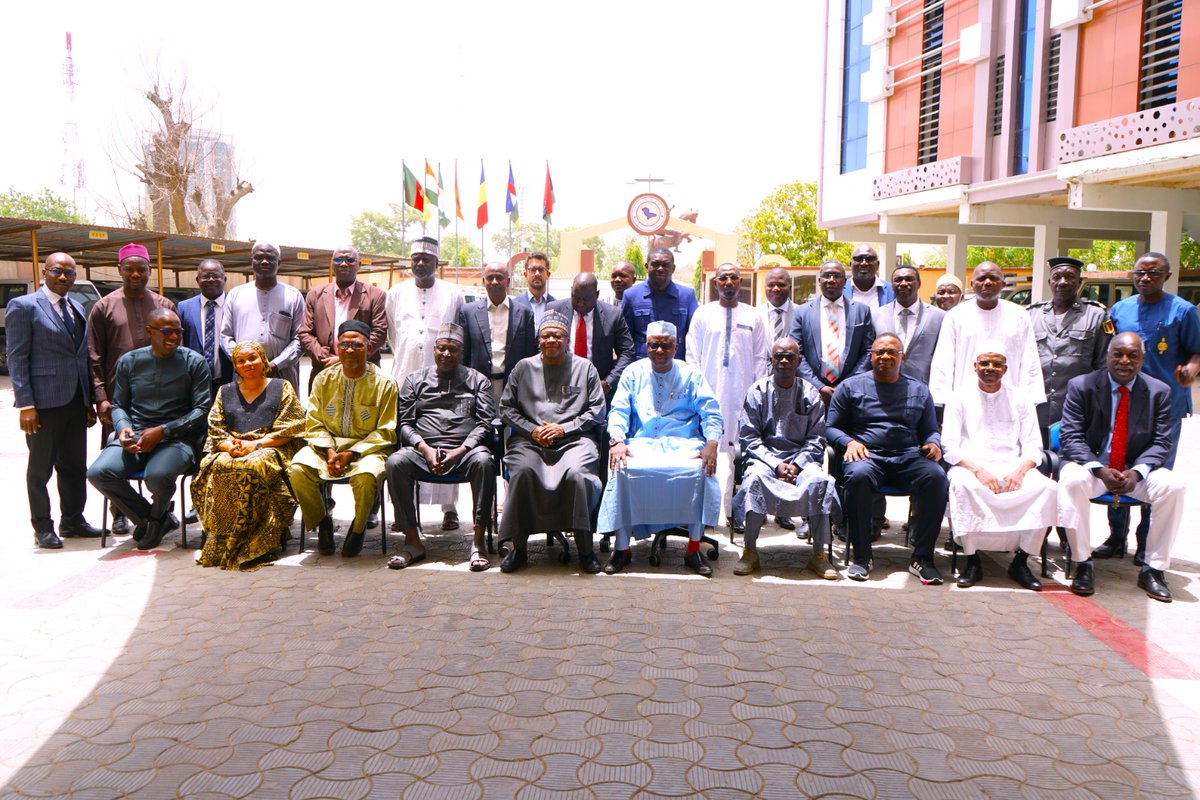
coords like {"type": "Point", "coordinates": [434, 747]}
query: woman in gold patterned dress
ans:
{"type": "Point", "coordinates": [240, 491]}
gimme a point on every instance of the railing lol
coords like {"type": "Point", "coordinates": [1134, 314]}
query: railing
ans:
{"type": "Point", "coordinates": [1154, 126]}
{"type": "Point", "coordinates": [950, 172]}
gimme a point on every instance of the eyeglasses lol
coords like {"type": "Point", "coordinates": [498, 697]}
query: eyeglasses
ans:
{"type": "Point", "coordinates": [343, 260]}
{"type": "Point", "coordinates": [168, 331]}
{"type": "Point", "coordinates": [57, 272]}
{"type": "Point", "coordinates": [538, 270]}
{"type": "Point", "coordinates": [785, 357]}
{"type": "Point", "coordinates": [352, 345]}
{"type": "Point", "coordinates": [864, 258]}
{"type": "Point", "coordinates": [1147, 273]}
{"type": "Point", "coordinates": [659, 345]}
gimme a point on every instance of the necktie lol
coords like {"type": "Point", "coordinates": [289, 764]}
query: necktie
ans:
{"type": "Point", "coordinates": [779, 331]}
{"type": "Point", "coordinates": [581, 337]}
{"type": "Point", "coordinates": [832, 361]}
{"type": "Point", "coordinates": [1116, 454]}
{"type": "Point", "coordinates": [210, 332]}
{"type": "Point", "coordinates": [905, 314]}
{"type": "Point", "coordinates": [68, 317]}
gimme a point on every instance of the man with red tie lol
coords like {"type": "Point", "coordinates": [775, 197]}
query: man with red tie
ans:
{"type": "Point", "coordinates": [1116, 436]}
{"type": "Point", "coordinates": [598, 332]}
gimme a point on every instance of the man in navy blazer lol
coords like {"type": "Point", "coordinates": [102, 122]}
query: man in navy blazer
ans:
{"type": "Point", "coordinates": [917, 323]}
{"type": "Point", "coordinates": [854, 329]}
{"type": "Point", "coordinates": [210, 277]}
{"type": "Point", "coordinates": [1093, 462]}
{"type": "Point", "coordinates": [607, 342]}
{"type": "Point", "coordinates": [476, 317]}
{"type": "Point", "coordinates": [865, 285]}
{"type": "Point", "coordinates": [48, 363]}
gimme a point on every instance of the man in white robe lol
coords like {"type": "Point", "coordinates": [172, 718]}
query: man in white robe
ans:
{"type": "Point", "coordinates": [728, 343]}
{"type": "Point", "coordinates": [986, 317]}
{"type": "Point", "coordinates": [998, 500]}
{"type": "Point", "coordinates": [416, 311]}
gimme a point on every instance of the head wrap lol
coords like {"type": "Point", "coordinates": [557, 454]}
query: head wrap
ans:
{"type": "Point", "coordinates": [661, 328]}
{"type": "Point", "coordinates": [354, 326]}
{"type": "Point", "coordinates": [948, 278]}
{"type": "Point", "coordinates": [1065, 261]}
{"type": "Point", "coordinates": [553, 319]}
{"type": "Point", "coordinates": [133, 250]}
{"type": "Point", "coordinates": [256, 346]}
{"type": "Point", "coordinates": [427, 245]}
{"type": "Point", "coordinates": [451, 331]}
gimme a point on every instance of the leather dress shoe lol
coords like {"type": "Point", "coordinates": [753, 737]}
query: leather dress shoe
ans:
{"type": "Point", "coordinates": [786, 523]}
{"type": "Point", "coordinates": [353, 544]}
{"type": "Point", "coordinates": [120, 525]}
{"type": "Point", "coordinates": [735, 527]}
{"type": "Point", "coordinates": [1155, 584]}
{"type": "Point", "coordinates": [1139, 558]}
{"type": "Point", "coordinates": [191, 518]}
{"type": "Point", "coordinates": [589, 563]}
{"type": "Point", "coordinates": [372, 520]}
{"type": "Point", "coordinates": [1113, 546]}
{"type": "Point", "coordinates": [139, 532]}
{"type": "Point", "coordinates": [81, 530]}
{"type": "Point", "coordinates": [513, 560]}
{"type": "Point", "coordinates": [156, 529]}
{"type": "Point", "coordinates": [1085, 579]}
{"type": "Point", "coordinates": [698, 564]}
{"type": "Point", "coordinates": [971, 574]}
{"type": "Point", "coordinates": [1019, 571]}
{"type": "Point", "coordinates": [619, 560]}
{"type": "Point", "coordinates": [47, 540]}
{"type": "Point", "coordinates": [325, 536]}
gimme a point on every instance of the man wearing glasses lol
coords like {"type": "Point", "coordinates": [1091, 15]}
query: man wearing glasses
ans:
{"type": "Point", "coordinates": [201, 318]}
{"type": "Point", "coordinates": [267, 311]}
{"type": "Point", "coordinates": [865, 285]}
{"type": "Point", "coordinates": [537, 274]}
{"type": "Point", "coordinates": [328, 306]}
{"type": "Point", "coordinates": [659, 299]}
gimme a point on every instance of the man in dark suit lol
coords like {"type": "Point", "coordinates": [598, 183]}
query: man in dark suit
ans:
{"type": "Point", "coordinates": [917, 323]}
{"type": "Point", "coordinates": [48, 363]}
{"type": "Point", "coordinates": [499, 330]}
{"type": "Point", "coordinates": [834, 334]}
{"type": "Point", "coordinates": [1116, 436]}
{"type": "Point", "coordinates": [200, 317]}
{"type": "Point", "coordinates": [598, 331]}
{"type": "Point", "coordinates": [364, 302]}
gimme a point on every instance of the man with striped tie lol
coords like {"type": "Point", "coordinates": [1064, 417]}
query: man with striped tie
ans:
{"type": "Point", "coordinates": [834, 333]}
{"type": "Point", "coordinates": [200, 317]}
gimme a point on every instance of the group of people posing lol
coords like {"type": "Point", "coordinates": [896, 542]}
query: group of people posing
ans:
{"type": "Point", "coordinates": [613, 417]}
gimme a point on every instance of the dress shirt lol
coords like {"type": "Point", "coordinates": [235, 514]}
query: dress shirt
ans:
{"type": "Point", "coordinates": [55, 300]}
{"type": "Point", "coordinates": [341, 306]}
{"type": "Point", "coordinates": [498, 323]}
{"type": "Point", "coordinates": [914, 321]}
{"type": "Point", "coordinates": [868, 298]}
{"type": "Point", "coordinates": [587, 321]}
{"type": "Point", "coordinates": [779, 322]}
{"type": "Point", "coordinates": [539, 307]}
{"type": "Point", "coordinates": [827, 335]}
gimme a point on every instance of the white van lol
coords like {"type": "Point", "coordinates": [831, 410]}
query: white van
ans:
{"type": "Point", "coordinates": [84, 292]}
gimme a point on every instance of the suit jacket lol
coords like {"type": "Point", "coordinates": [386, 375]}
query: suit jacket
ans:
{"type": "Point", "coordinates": [918, 360]}
{"type": "Point", "coordinates": [609, 335]}
{"type": "Point", "coordinates": [883, 290]}
{"type": "Point", "coordinates": [318, 336]}
{"type": "Point", "coordinates": [191, 318]}
{"type": "Point", "coordinates": [856, 356]}
{"type": "Point", "coordinates": [47, 364]}
{"type": "Point", "coordinates": [477, 335]}
{"type": "Point", "coordinates": [1088, 409]}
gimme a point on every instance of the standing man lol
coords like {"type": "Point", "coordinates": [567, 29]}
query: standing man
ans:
{"type": "Point", "coordinates": [947, 292]}
{"type": "Point", "coordinates": [201, 318]}
{"type": "Point", "coordinates": [777, 312]}
{"type": "Point", "coordinates": [269, 312]}
{"type": "Point", "coordinates": [659, 299]}
{"type": "Point", "coordinates": [497, 332]}
{"type": "Point", "coordinates": [537, 274]}
{"type": "Point", "coordinates": [918, 323]}
{"type": "Point", "coordinates": [327, 307]}
{"type": "Point", "coordinates": [1070, 335]}
{"type": "Point", "coordinates": [620, 279]}
{"type": "Point", "coordinates": [729, 346]}
{"type": "Point", "coordinates": [598, 332]}
{"type": "Point", "coordinates": [54, 398]}
{"type": "Point", "coordinates": [865, 286]}
{"type": "Point", "coordinates": [834, 333]}
{"type": "Point", "coordinates": [116, 325]}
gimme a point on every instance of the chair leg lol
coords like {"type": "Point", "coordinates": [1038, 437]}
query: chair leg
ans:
{"type": "Point", "coordinates": [383, 526]}
{"type": "Point", "coordinates": [104, 524]}
{"type": "Point", "coordinates": [1045, 572]}
{"type": "Point", "coordinates": [183, 504]}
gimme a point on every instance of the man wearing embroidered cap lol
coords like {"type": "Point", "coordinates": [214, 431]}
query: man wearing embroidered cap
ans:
{"type": "Point", "coordinates": [947, 292]}
{"type": "Point", "coordinates": [116, 325]}
{"type": "Point", "coordinates": [553, 405]}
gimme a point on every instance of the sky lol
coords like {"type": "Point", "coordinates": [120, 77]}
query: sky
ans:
{"type": "Point", "coordinates": [323, 101]}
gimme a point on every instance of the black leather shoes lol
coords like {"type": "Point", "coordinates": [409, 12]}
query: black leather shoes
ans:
{"type": "Point", "coordinates": [619, 560]}
{"type": "Point", "coordinates": [156, 529]}
{"type": "Point", "coordinates": [1113, 547]}
{"type": "Point", "coordinates": [120, 525]}
{"type": "Point", "coordinates": [785, 523]}
{"type": "Point", "coordinates": [971, 574]}
{"type": "Point", "coordinates": [139, 533]}
{"type": "Point", "coordinates": [1085, 579]}
{"type": "Point", "coordinates": [1155, 584]}
{"type": "Point", "coordinates": [80, 529]}
{"type": "Point", "coordinates": [372, 520]}
{"type": "Point", "coordinates": [736, 528]}
{"type": "Point", "coordinates": [353, 544]}
{"type": "Point", "coordinates": [47, 540]}
{"type": "Point", "coordinates": [1139, 558]}
{"type": "Point", "coordinates": [1019, 571]}
{"type": "Point", "coordinates": [697, 563]}
{"type": "Point", "coordinates": [589, 563]}
{"type": "Point", "coordinates": [191, 518]}
{"type": "Point", "coordinates": [513, 560]}
{"type": "Point", "coordinates": [325, 536]}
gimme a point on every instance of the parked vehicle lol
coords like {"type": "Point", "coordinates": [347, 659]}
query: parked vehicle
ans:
{"type": "Point", "coordinates": [85, 292]}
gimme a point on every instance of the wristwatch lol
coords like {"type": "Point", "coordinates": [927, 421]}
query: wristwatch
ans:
{"type": "Point", "coordinates": [258, 445]}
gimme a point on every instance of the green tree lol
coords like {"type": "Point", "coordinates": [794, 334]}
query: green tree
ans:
{"type": "Point", "coordinates": [1003, 257]}
{"type": "Point", "coordinates": [385, 234]}
{"type": "Point", "coordinates": [42, 206]}
{"type": "Point", "coordinates": [634, 255]}
{"type": "Point", "coordinates": [528, 237]}
{"type": "Point", "coordinates": [785, 223]}
{"type": "Point", "coordinates": [1108, 254]}
{"type": "Point", "coordinates": [469, 254]}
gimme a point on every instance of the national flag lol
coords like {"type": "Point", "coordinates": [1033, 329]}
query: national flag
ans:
{"type": "Point", "coordinates": [432, 192]}
{"type": "Point", "coordinates": [548, 196]}
{"type": "Point", "coordinates": [443, 220]}
{"type": "Point", "coordinates": [457, 197]}
{"type": "Point", "coordinates": [510, 202]}
{"type": "Point", "coordinates": [414, 197]}
{"type": "Point", "coordinates": [481, 210]}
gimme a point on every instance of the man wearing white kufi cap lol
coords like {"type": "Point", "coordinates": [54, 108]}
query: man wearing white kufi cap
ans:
{"type": "Point", "coordinates": [998, 501]}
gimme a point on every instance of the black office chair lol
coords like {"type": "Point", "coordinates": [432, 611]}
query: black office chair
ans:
{"type": "Point", "coordinates": [139, 476]}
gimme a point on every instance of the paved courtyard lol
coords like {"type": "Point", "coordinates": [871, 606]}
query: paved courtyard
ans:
{"type": "Point", "coordinates": [141, 674]}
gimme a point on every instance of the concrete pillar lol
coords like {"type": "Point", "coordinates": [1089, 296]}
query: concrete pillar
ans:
{"type": "Point", "coordinates": [1166, 231]}
{"type": "Point", "coordinates": [887, 258]}
{"type": "Point", "coordinates": [1045, 245]}
{"type": "Point", "coordinates": [956, 256]}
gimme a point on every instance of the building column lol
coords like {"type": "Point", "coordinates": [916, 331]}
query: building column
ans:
{"type": "Point", "coordinates": [956, 256]}
{"type": "Point", "coordinates": [1166, 232]}
{"type": "Point", "coordinates": [1045, 245]}
{"type": "Point", "coordinates": [887, 258]}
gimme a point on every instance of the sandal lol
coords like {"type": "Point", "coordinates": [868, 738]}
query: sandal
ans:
{"type": "Point", "coordinates": [450, 521]}
{"type": "Point", "coordinates": [479, 561]}
{"type": "Point", "coordinates": [408, 556]}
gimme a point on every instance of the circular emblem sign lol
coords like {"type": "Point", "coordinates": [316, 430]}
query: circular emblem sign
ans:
{"type": "Point", "coordinates": [648, 214]}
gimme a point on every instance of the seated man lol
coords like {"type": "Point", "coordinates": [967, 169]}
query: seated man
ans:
{"type": "Point", "coordinates": [887, 426]}
{"type": "Point", "coordinates": [553, 405]}
{"type": "Point", "coordinates": [1116, 435]}
{"type": "Point", "coordinates": [782, 436]}
{"type": "Point", "coordinates": [160, 405]}
{"type": "Point", "coordinates": [998, 501]}
{"type": "Point", "coordinates": [350, 427]}
{"type": "Point", "coordinates": [445, 419]}
{"type": "Point", "coordinates": [664, 425]}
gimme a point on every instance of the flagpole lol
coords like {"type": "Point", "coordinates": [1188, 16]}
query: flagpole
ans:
{"type": "Point", "coordinates": [510, 237]}
{"type": "Point", "coordinates": [424, 189]}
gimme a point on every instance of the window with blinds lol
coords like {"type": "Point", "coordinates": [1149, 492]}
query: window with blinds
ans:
{"type": "Point", "coordinates": [1053, 57]}
{"type": "Point", "coordinates": [998, 96]}
{"type": "Point", "coordinates": [931, 83]}
{"type": "Point", "coordinates": [857, 60]}
{"type": "Point", "coordinates": [1158, 82]}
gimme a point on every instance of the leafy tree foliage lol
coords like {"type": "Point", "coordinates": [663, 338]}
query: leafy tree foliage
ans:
{"type": "Point", "coordinates": [385, 234]}
{"type": "Point", "coordinates": [42, 206]}
{"type": "Point", "coordinates": [785, 223]}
